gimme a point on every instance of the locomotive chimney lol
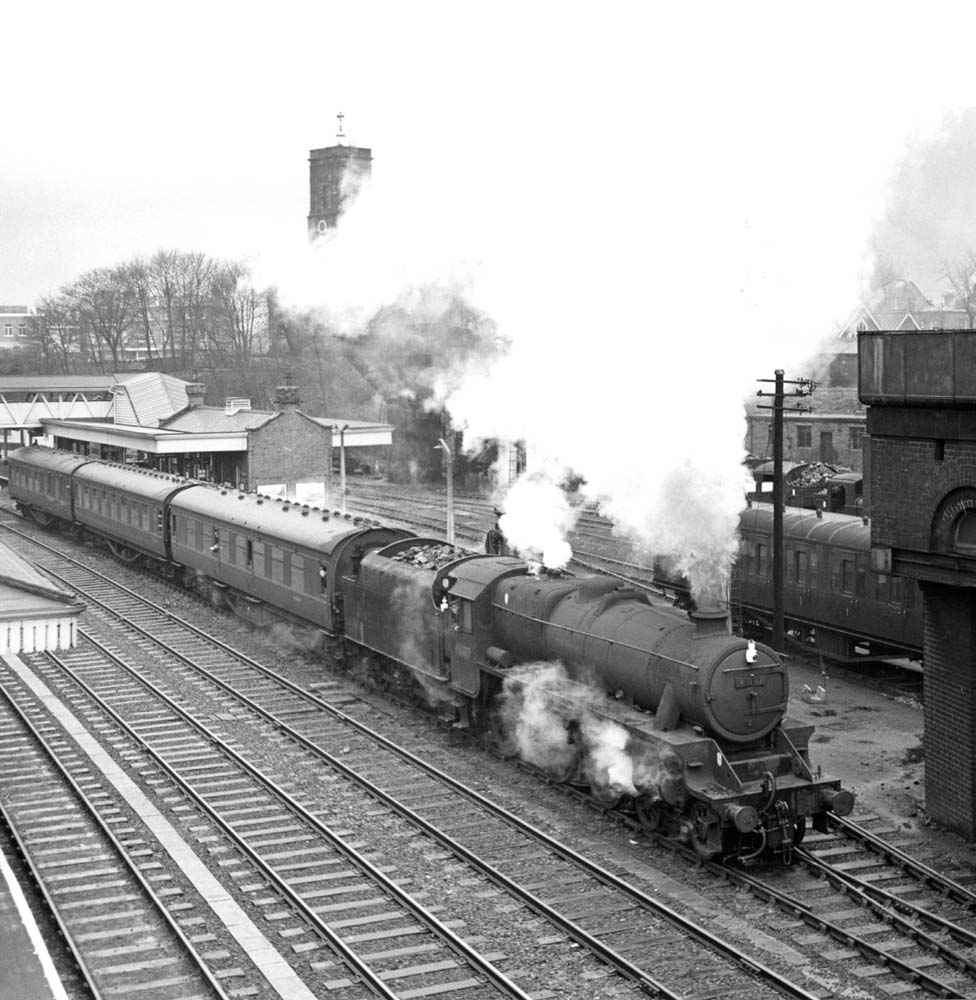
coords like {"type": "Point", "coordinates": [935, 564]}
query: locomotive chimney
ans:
{"type": "Point", "coordinates": [710, 621]}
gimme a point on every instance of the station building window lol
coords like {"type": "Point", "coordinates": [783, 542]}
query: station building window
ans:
{"type": "Point", "coordinates": [856, 438]}
{"type": "Point", "coordinates": [804, 436]}
{"type": "Point", "coordinates": [964, 534]}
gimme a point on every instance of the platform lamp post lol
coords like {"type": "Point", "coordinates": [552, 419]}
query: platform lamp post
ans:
{"type": "Point", "coordinates": [804, 387]}
{"type": "Point", "coordinates": [449, 466]}
{"type": "Point", "coordinates": [342, 466]}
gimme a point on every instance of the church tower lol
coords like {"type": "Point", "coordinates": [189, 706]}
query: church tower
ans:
{"type": "Point", "coordinates": [335, 174]}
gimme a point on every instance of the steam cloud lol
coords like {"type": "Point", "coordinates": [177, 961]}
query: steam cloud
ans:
{"type": "Point", "coordinates": [635, 333]}
{"type": "Point", "coordinates": [537, 519]}
{"type": "Point", "coordinates": [559, 725]}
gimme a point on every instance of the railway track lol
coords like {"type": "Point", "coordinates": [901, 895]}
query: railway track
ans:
{"type": "Point", "coordinates": [620, 927]}
{"type": "Point", "coordinates": [127, 925]}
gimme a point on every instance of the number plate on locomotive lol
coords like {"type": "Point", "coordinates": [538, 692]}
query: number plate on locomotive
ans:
{"type": "Point", "coordinates": [750, 681]}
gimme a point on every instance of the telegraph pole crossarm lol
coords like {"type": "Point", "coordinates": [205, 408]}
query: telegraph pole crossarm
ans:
{"type": "Point", "coordinates": [804, 387]}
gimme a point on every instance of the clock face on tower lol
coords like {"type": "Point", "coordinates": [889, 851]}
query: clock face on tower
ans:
{"type": "Point", "coordinates": [322, 225]}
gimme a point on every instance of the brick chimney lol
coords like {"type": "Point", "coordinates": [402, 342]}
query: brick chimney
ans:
{"type": "Point", "coordinates": [195, 392]}
{"type": "Point", "coordinates": [287, 397]}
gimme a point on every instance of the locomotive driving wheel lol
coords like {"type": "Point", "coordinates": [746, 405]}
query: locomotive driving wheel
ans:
{"type": "Point", "coordinates": [706, 830]}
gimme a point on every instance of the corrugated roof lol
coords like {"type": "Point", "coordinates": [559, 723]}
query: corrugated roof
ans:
{"type": "Point", "coordinates": [149, 398]}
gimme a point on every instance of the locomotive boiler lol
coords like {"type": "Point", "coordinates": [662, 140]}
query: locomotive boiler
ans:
{"type": "Point", "coordinates": [710, 754]}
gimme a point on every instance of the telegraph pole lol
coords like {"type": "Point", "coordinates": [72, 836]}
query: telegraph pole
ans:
{"type": "Point", "coordinates": [804, 387]}
{"type": "Point", "coordinates": [449, 471]}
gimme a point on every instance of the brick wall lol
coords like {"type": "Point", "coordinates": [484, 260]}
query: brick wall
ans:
{"type": "Point", "coordinates": [289, 449]}
{"type": "Point", "coordinates": [909, 482]}
{"type": "Point", "coordinates": [950, 706]}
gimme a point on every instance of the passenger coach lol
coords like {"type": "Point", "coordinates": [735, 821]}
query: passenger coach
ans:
{"type": "Point", "coordinates": [251, 550]}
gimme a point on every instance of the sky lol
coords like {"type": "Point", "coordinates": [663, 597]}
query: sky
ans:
{"type": "Point", "coordinates": [657, 204]}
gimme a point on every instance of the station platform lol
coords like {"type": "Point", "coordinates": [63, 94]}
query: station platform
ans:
{"type": "Point", "coordinates": [26, 969]}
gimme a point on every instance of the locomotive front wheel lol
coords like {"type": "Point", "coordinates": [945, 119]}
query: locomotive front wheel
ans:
{"type": "Point", "coordinates": [607, 797]}
{"type": "Point", "coordinates": [706, 830]}
{"type": "Point", "coordinates": [799, 829]}
{"type": "Point", "coordinates": [653, 816]}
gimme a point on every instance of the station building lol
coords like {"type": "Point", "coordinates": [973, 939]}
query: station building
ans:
{"type": "Point", "coordinates": [35, 614]}
{"type": "Point", "coordinates": [279, 450]}
{"type": "Point", "coordinates": [162, 422]}
{"type": "Point", "coordinates": [920, 390]}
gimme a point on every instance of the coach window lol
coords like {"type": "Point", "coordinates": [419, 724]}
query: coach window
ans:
{"type": "Point", "coordinates": [847, 576]}
{"type": "Point", "coordinates": [249, 554]}
{"type": "Point", "coordinates": [324, 578]}
{"type": "Point", "coordinates": [801, 567]}
{"type": "Point", "coordinates": [964, 535]}
{"type": "Point", "coordinates": [215, 547]}
{"type": "Point", "coordinates": [759, 562]}
{"type": "Point", "coordinates": [882, 589]}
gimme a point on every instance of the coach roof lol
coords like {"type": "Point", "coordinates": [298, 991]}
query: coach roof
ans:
{"type": "Point", "coordinates": [143, 483]}
{"type": "Point", "coordinates": [48, 458]}
{"type": "Point", "coordinates": [252, 514]}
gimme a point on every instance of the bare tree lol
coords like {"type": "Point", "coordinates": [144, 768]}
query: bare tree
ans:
{"type": "Point", "coordinates": [54, 329]}
{"type": "Point", "coordinates": [961, 275]}
{"type": "Point", "coordinates": [884, 272]}
{"type": "Point", "coordinates": [144, 303]}
{"type": "Point", "coordinates": [192, 277]}
{"type": "Point", "coordinates": [102, 300]}
{"type": "Point", "coordinates": [239, 309]}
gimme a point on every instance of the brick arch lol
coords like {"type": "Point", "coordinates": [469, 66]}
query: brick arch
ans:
{"type": "Point", "coordinates": [956, 504]}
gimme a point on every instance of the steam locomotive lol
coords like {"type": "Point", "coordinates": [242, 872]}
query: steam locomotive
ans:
{"type": "Point", "coordinates": [649, 707]}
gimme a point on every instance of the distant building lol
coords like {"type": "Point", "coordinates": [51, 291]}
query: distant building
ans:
{"type": "Point", "coordinates": [14, 326]}
{"type": "Point", "coordinates": [899, 305]}
{"type": "Point", "coordinates": [833, 432]}
{"type": "Point", "coordinates": [335, 174]}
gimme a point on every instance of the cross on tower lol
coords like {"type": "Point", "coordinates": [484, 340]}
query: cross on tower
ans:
{"type": "Point", "coordinates": [339, 135]}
